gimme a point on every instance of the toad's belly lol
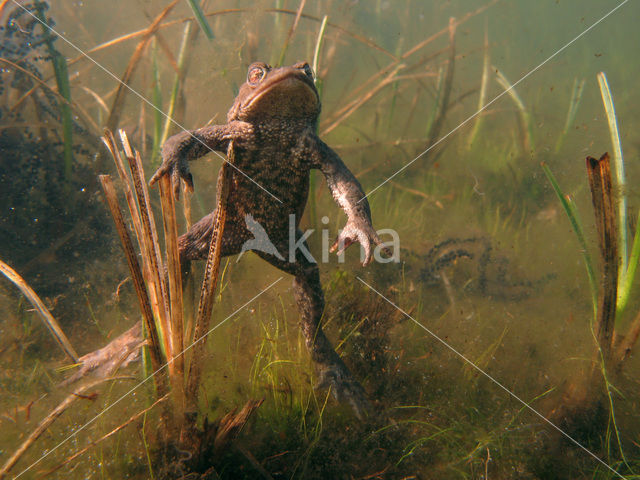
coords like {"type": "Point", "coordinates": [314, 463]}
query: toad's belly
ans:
{"type": "Point", "coordinates": [275, 198]}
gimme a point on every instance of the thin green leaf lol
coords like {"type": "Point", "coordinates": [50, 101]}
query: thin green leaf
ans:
{"type": "Point", "coordinates": [620, 183]}
{"type": "Point", "coordinates": [201, 19]}
{"type": "Point", "coordinates": [62, 80]}
{"type": "Point", "coordinates": [572, 214]}
{"type": "Point", "coordinates": [156, 98]}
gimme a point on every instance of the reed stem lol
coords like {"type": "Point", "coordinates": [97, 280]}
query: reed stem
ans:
{"type": "Point", "coordinates": [599, 173]}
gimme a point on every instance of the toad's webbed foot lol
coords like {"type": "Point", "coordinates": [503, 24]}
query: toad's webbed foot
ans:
{"type": "Point", "coordinates": [345, 388]}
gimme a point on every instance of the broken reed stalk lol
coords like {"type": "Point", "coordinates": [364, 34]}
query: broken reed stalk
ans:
{"type": "Point", "coordinates": [138, 280]}
{"type": "Point", "coordinates": [143, 245]}
{"type": "Point", "coordinates": [46, 423]}
{"type": "Point", "coordinates": [174, 273]}
{"type": "Point", "coordinates": [599, 174]}
{"type": "Point", "coordinates": [150, 238]}
{"type": "Point", "coordinates": [42, 310]}
{"type": "Point", "coordinates": [172, 338]}
{"type": "Point", "coordinates": [232, 423]}
{"type": "Point", "coordinates": [209, 283]}
{"type": "Point", "coordinates": [158, 300]}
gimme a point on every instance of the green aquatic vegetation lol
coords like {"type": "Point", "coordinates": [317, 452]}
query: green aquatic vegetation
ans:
{"type": "Point", "coordinates": [62, 80]}
{"type": "Point", "coordinates": [156, 98]}
{"type": "Point", "coordinates": [526, 122]}
{"type": "Point", "coordinates": [186, 45]}
{"type": "Point", "coordinates": [484, 82]}
{"type": "Point", "coordinates": [201, 19]}
{"type": "Point", "coordinates": [576, 96]}
{"type": "Point", "coordinates": [628, 264]}
{"type": "Point", "coordinates": [571, 212]}
{"type": "Point", "coordinates": [315, 65]}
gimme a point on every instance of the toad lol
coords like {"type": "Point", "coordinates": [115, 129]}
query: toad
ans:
{"type": "Point", "coordinates": [271, 130]}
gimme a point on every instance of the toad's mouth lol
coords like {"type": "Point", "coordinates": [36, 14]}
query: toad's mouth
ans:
{"type": "Point", "coordinates": [290, 94]}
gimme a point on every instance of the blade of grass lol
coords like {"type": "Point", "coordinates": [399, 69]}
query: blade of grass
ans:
{"type": "Point", "coordinates": [483, 87]}
{"type": "Point", "coordinates": [292, 30]}
{"type": "Point", "coordinates": [93, 443]}
{"type": "Point", "coordinates": [45, 423]}
{"type": "Point", "coordinates": [125, 80]}
{"type": "Point", "coordinates": [627, 284]}
{"type": "Point", "coordinates": [447, 84]}
{"type": "Point", "coordinates": [156, 98]}
{"type": "Point", "coordinates": [201, 19]}
{"type": "Point", "coordinates": [572, 214]}
{"type": "Point", "coordinates": [62, 80]}
{"type": "Point", "coordinates": [318, 82]}
{"type": "Point", "coordinates": [316, 53]}
{"type": "Point", "coordinates": [576, 96]}
{"type": "Point", "coordinates": [44, 313]}
{"type": "Point", "coordinates": [620, 184]}
{"type": "Point", "coordinates": [188, 37]}
{"type": "Point", "coordinates": [523, 114]}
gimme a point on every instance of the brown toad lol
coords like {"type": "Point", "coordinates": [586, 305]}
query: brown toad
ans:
{"type": "Point", "coordinates": [272, 126]}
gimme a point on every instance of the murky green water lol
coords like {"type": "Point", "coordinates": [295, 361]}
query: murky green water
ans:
{"type": "Point", "coordinates": [491, 302]}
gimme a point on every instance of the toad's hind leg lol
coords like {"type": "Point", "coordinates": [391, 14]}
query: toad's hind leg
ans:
{"type": "Point", "coordinates": [194, 245]}
{"type": "Point", "coordinates": [309, 297]}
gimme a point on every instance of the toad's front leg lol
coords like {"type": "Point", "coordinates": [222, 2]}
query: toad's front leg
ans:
{"type": "Point", "coordinates": [189, 145]}
{"type": "Point", "coordinates": [347, 192]}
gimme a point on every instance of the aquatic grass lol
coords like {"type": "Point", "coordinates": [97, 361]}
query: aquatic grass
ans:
{"type": "Point", "coordinates": [574, 103]}
{"type": "Point", "coordinates": [482, 360]}
{"type": "Point", "coordinates": [46, 422]}
{"type": "Point", "coordinates": [188, 38]}
{"type": "Point", "coordinates": [628, 265]}
{"type": "Point", "coordinates": [111, 433]}
{"type": "Point", "coordinates": [523, 114]}
{"type": "Point", "coordinates": [61, 72]}
{"type": "Point", "coordinates": [156, 100]}
{"type": "Point", "coordinates": [484, 82]}
{"type": "Point", "coordinates": [48, 319]}
{"type": "Point", "coordinates": [444, 90]}
{"type": "Point", "coordinates": [201, 19]}
{"type": "Point", "coordinates": [291, 32]}
{"type": "Point", "coordinates": [571, 212]}
{"type": "Point", "coordinates": [318, 83]}
{"type": "Point", "coordinates": [126, 78]}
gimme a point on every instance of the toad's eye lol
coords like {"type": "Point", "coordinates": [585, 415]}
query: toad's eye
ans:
{"type": "Point", "coordinates": [307, 70]}
{"type": "Point", "coordinates": [255, 75]}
